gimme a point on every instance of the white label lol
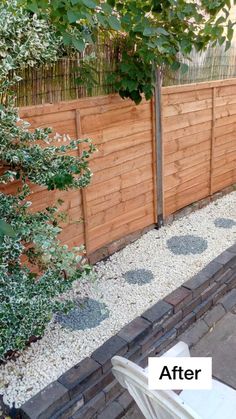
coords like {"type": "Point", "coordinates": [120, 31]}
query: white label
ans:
{"type": "Point", "coordinates": [183, 373]}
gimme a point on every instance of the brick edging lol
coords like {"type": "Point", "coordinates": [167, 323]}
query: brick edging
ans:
{"type": "Point", "coordinates": [88, 390]}
{"type": "Point", "coordinates": [110, 248]}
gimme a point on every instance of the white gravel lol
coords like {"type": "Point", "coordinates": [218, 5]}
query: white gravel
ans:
{"type": "Point", "coordinates": [60, 348]}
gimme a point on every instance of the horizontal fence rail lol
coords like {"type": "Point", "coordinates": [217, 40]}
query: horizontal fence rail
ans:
{"type": "Point", "coordinates": [199, 129]}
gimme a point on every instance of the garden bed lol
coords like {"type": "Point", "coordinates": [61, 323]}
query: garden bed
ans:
{"type": "Point", "coordinates": [128, 284]}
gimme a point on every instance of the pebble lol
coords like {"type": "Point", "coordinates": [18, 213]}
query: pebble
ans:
{"type": "Point", "coordinates": [123, 295]}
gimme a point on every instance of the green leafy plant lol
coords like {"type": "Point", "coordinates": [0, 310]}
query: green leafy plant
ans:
{"type": "Point", "coordinates": [152, 32]}
{"type": "Point", "coordinates": [35, 268]}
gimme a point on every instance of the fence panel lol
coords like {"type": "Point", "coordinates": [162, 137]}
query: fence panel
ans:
{"type": "Point", "coordinates": [120, 199]}
{"type": "Point", "coordinates": [199, 141]}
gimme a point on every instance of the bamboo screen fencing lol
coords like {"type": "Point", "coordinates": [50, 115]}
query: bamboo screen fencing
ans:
{"type": "Point", "coordinates": [199, 139]}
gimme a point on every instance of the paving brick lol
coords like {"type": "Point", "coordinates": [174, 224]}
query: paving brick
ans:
{"type": "Point", "coordinates": [185, 323]}
{"type": "Point", "coordinates": [158, 313]}
{"type": "Point", "coordinates": [125, 400]}
{"type": "Point", "coordinates": [229, 300]}
{"type": "Point", "coordinates": [134, 331]}
{"type": "Point", "coordinates": [44, 404]}
{"type": "Point", "coordinates": [219, 293]}
{"type": "Point", "coordinates": [148, 341]}
{"type": "Point", "coordinates": [164, 341]}
{"type": "Point", "coordinates": [70, 408]}
{"type": "Point", "coordinates": [79, 377]}
{"type": "Point", "coordinates": [202, 280]}
{"type": "Point", "coordinates": [231, 282]}
{"type": "Point", "coordinates": [112, 390]}
{"type": "Point", "coordinates": [90, 409]}
{"type": "Point", "coordinates": [172, 321]}
{"type": "Point", "coordinates": [99, 384]}
{"type": "Point", "coordinates": [178, 298]}
{"type": "Point", "coordinates": [224, 276]}
{"type": "Point", "coordinates": [134, 353]}
{"type": "Point", "coordinates": [224, 257]}
{"type": "Point", "coordinates": [209, 291]}
{"type": "Point", "coordinates": [203, 307]}
{"type": "Point", "coordinates": [215, 314]}
{"type": "Point", "coordinates": [232, 249]}
{"type": "Point", "coordinates": [232, 263]}
{"type": "Point", "coordinates": [113, 346]}
{"type": "Point", "coordinates": [190, 306]}
{"type": "Point", "coordinates": [113, 411]}
{"type": "Point", "coordinates": [195, 333]}
{"type": "Point", "coordinates": [197, 283]}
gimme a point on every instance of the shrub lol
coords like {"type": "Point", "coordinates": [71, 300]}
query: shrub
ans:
{"type": "Point", "coordinates": [35, 269]}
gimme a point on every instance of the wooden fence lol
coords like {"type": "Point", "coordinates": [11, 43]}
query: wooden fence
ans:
{"type": "Point", "coordinates": [199, 130]}
{"type": "Point", "coordinates": [120, 199]}
{"type": "Point", "coordinates": [199, 141]}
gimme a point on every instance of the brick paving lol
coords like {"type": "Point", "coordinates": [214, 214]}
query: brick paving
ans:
{"type": "Point", "coordinates": [219, 342]}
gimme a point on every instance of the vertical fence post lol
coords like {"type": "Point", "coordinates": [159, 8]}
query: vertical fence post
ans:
{"type": "Point", "coordinates": [212, 149]}
{"type": "Point", "coordinates": [159, 147]}
{"type": "Point", "coordinates": [83, 192]}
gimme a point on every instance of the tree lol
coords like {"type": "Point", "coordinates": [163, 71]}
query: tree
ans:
{"type": "Point", "coordinates": [153, 32]}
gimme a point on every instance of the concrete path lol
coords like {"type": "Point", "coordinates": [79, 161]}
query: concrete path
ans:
{"type": "Point", "coordinates": [220, 344]}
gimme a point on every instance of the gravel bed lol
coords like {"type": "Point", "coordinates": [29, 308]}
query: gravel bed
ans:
{"type": "Point", "coordinates": [127, 283]}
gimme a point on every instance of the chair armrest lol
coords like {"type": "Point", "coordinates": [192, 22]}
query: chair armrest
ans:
{"type": "Point", "coordinates": [179, 350]}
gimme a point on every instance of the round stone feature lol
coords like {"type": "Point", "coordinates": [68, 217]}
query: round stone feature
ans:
{"type": "Point", "coordinates": [224, 222]}
{"type": "Point", "coordinates": [187, 245]}
{"type": "Point", "coordinates": [87, 314]}
{"type": "Point", "coordinates": [138, 276]}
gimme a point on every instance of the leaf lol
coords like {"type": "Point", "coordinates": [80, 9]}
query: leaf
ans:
{"type": "Point", "coordinates": [73, 16]}
{"type": "Point", "coordinates": [73, 2]}
{"type": "Point", "coordinates": [220, 20]}
{"type": "Point", "coordinates": [79, 44]}
{"type": "Point", "coordinates": [162, 31]}
{"type": "Point", "coordinates": [227, 45]}
{"type": "Point", "coordinates": [175, 66]}
{"type": "Point", "coordinates": [90, 4]}
{"type": "Point", "coordinates": [106, 8]}
{"type": "Point", "coordinates": [149, 31]}
{"type": "Point", "coordinates": [6, 229]}
{"type": "Point", "coordinates": [33, 7]}
{"type": "Point", "coordinates": [67, 40]}
{"type": "Point", "coordinates": [114, 23]}
{"type": "Point", "coordinates": [183, 68]}
{"type": "Point", "coordinates": [230, 33]}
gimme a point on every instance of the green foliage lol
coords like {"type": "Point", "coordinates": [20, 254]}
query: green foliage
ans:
{"type": "Point", "coordinates": [28, 301]}
{"type": "Point", "coordinates": [35, 269]}
{"type": "Point", "coordinates": [155, 33]}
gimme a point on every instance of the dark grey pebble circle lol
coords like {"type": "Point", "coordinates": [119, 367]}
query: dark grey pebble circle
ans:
{"type": "Point", "coordinates": [88, 314]}
{"type": "Point", "coordinates": [187, 245]}
{"type": "Point", "coordinates": [224, 222]}
{"type": "Point", "coordinates": [138, 276]}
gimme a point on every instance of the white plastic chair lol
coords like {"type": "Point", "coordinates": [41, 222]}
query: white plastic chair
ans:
{"type": "Point", "coordinates": [218, 403]}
